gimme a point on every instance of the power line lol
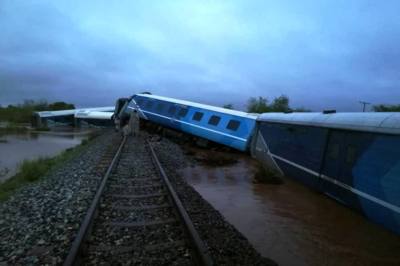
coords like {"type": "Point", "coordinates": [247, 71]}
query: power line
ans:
{"type": "Point", "coordinates": [364, 104]}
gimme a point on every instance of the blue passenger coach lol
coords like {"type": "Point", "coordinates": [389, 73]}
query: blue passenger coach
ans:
{"type": "Point", "coordinates": [352, 157]}
{"type": "Point", "coordinates": [224, 126]}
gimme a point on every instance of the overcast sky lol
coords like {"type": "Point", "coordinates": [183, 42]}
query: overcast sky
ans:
{"type": "Point", "coordinates": [322, 54]}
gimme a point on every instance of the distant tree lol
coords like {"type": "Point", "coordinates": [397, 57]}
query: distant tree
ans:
{"type": "Point", "coordinates": [228, 106]}
{"type": "Point", "coordinates": [258, 105]}
{"type": "Point", "coordinates": [386, 108]}
{"type": "Point", "coordinates": [22, 113]}
{"type": "Point", "coordinates": [280, 104]}
{"type": "Point", "coordinates": [41, 105]}
{"type": "Point", "coordinates": [60, 106]}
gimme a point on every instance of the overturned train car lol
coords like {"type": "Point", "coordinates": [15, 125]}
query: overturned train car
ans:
{"type": "Point", "coordinates": [228, 127]}
{"type": "Point", "coordinates": [351, 157]}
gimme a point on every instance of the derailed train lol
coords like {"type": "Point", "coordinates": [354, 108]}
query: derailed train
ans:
{"type": "Point", "coordinates": [351, 157]}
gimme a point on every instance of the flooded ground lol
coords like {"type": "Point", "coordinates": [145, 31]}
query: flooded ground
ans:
{"type": "Point", "coordinates": [16, 147]}
{"type": "Point", "coordinates": [290, 223]}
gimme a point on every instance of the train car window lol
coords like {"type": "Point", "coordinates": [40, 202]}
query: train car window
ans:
{"type": "Point", "coordinates": [197, 116]}
{"type": "Point", "coordinates": [214, 120]}
{"type": "Point", "coordinates": [301, 130]}
{"type": "Point", "coordinates": [333, 152]}
{"type": "Point", "coordinates": [233, 125]}
{"type": "Point", "coordinates": [182, 112]}
{"type": "Point", "coordinates": [149, 104]}
{"type": "Point", "coordinates": [351, 154]}
{"type": "Point", "coordinates": [290, 129]}
{"type": "Point", "coordinates": [172, 110]}
{"type": "Point", "coordinates": [139, 101]}
{"type": "Point", "coordinates": [143, 102]}
{"type": "Point", "coordinates": [160, 107]}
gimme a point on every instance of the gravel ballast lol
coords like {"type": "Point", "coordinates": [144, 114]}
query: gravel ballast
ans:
{"type": "Point", "coordinates": [124, 234]}
{"type": "Point", "coordinates": [38, 223]}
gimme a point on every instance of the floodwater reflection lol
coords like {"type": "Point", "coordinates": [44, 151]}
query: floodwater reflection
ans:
{"type": "Point", "coordinates": [14, 148]}
{"type": "Point", "coordinates": [290, 223]}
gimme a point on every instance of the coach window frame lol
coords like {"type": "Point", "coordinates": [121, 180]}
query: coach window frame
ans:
{"type": "Point", "coordinates": [196, 114]}
{"type": "Point", "coordinates": [214, 120]}
{"type": "Point", "coordinates": [160, 107]}
{"type": "Point", "coordinates": [351, 154]}
{"type": "Point", "coordinates": [334, 151]}
{"type": "Point", "coordinates": [149, 105]}
{"type": "Point", "coordinates": [172, 110]}
{"type": "Point", "coordinates": [139, 102]}
{"type": "Point", "coordinates": [233, 124]}
{"type": "Point", "coordinates": [183, 111]}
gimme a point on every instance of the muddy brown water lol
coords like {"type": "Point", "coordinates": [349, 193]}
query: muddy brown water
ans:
{"type": "Point", "coordinates": [290, 223]}
{"type": "Point", "coordinates": [14, 148]}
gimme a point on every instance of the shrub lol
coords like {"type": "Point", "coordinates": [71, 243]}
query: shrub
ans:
{"type": "Point", "coordinates": [32, 170]}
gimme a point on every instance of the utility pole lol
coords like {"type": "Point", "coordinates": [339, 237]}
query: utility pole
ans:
{"type": "Point", "coordinates": [364, 104]}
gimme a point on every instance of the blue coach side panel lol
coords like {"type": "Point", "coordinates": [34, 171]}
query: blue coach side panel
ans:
{"type": "Point", "coordinates": [298, 150]}
{"type": "Point", "coordinates": [236, 136]}
{"type": "Point", "coordinates": [221, 127]}
{"type": "Point", "coordinates": [363, 171]}
{"type": "Point", "coordinates": [354, 158]}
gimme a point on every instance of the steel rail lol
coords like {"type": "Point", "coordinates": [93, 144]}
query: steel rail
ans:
{"type": "Point", "coordinates": [202, 252]}
{"type": "Point", "coordinates": [84, 230]}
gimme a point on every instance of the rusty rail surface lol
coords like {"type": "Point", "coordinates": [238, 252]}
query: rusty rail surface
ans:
{"type": "Point", "coordinates": [199, 251]}
{"type": "Point", "coordinates": [199, 247]}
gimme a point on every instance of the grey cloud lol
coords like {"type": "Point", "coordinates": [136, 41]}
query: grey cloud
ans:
{"type": "Point", "coordinates": [324, 55]}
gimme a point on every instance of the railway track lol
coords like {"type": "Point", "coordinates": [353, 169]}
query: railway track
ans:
{"type": "Point", "coordinates": [136, 216]}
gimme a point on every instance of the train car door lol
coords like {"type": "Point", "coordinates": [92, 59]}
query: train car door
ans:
{"type": "Point", "coordinates": [172, 112]}
{"type": "Point", "coordinates": [176, 116]}
{"type": "Point", "coordinates": [332, 168]}
{"type": "Point", "coordinates": [354, 146]}
{"type": "Point", "coordinates": [343, 151]}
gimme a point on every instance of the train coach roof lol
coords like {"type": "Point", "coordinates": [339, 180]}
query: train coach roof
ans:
{"type": "Point", "coordinates": [93, 115]}
{"type": "Point", "coordinates": [203, 106]}
{"type": "Point", "coordinates": [73, 111]}
{"type": "Point", "coordinates": [371, 122]}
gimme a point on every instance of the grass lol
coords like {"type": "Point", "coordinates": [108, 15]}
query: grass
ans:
{"type": "Point", "coordinates": [13, 128]}
{"type": "Point", "coordinates": [33, 170]}
{"type": "Point", "coordinates": [42, 129]}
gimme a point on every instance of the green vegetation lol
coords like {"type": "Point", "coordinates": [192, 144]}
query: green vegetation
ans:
{"type": "Point", "coordinates": [32, 171]}
{"type": "Point", "coordinates": [279, 104]}
{"type": "Point", "coordinates": [228, 106]}
{"type": "Point", "coordinates": [22, 113]}
{"type": "Point", "coordinates": [386, 108]}
{"type": "Point", "coordinates": [257, 105]}
{"type": "Point", "coordinates": [12, 127]}
{"type": "Point", "coordinates": [42, 129]}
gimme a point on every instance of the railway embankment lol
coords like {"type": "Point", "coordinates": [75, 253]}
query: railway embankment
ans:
{"type": "Point", "coordinates": [32, 170]}
{"type": "Point", "coordinates": [38, 222]}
